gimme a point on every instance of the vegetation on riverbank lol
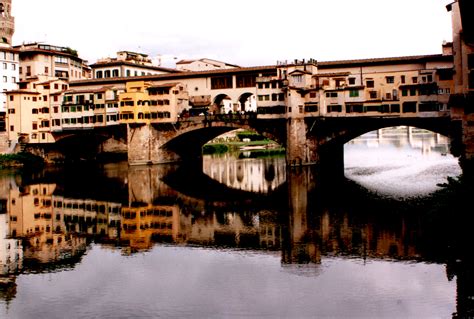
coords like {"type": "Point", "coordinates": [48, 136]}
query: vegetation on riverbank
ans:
{"type": "Point", "coordinates": [244, 141]}
{"type": "Point", "coordinates": [20, 160]}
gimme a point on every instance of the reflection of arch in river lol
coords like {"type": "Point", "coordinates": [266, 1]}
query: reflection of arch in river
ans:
{"type": "Point", "coordinates": [252, 175]}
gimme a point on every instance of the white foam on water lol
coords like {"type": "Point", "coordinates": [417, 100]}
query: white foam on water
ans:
{"type": "Point", "coordinates": [400, 170]}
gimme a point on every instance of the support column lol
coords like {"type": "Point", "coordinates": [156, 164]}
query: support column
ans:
{"type": "Point", "coordinates": [145, 145]}
{"type": "Point", "coordinates": [139, 144]}
{"type": "Point", "coordinates": [467, 158]}
{"type": "Point", "coordinates": [299, 248]}
{"type": "Point", "coordinates": [300, 150]}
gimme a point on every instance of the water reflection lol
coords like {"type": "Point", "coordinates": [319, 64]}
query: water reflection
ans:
{"type": "Point", "coordinates": [251, 174]}
{"type": "Point", "coordinates": [400, 161]}
{"type": "Point", "coordinates": [319, 231]}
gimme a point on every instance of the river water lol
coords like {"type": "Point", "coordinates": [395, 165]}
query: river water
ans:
{"type": "Point", "coordinates": [242, 237]}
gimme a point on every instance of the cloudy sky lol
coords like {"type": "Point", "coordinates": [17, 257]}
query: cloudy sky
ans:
{"type": "Point", "coordinates": [245, 32]}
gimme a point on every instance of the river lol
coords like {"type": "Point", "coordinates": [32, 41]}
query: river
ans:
{"type": "Point", "coordinates": [242, 237]}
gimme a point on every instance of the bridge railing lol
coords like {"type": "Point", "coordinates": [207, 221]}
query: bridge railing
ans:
{"type": "Point", "coordinates": [227, 118]}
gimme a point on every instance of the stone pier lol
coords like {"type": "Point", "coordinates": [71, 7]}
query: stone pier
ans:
{"type": "Point", "coordinates": [145, 145]}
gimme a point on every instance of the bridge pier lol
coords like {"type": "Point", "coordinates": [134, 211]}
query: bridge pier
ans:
{"type": "Point", "coordinates": [300, 148]}
{"type": "Point", "coordinates": [145, 145]}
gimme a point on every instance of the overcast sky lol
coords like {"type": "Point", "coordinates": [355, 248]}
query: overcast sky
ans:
{"type": "Point", "coordinates": [244, 32]}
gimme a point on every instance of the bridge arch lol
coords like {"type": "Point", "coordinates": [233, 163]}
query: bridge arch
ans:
{"type": "Point", "coordinates": [247, 102]}
{"type": "Point", "coordinates": [222, 104]}
{"type": "Point", "coordinates": [160, 143]}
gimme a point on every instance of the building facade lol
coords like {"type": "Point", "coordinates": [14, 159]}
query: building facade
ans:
{"type": "Point", "coordinates": [34, 110]}
{"type": "Point", "coordinates": [462, 99]}
{"type": "Point", "coordinates": [9, 60]}
{"type": "Point", "coordinates": [203, 65]}
{"type": "Point", "coordinates": [127, 64]}
{"type": "Point", "coordinates": [38, 59]}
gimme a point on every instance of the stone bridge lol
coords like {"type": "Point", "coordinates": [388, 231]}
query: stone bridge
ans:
{"type": "Point", "coordinates": [183, 140]}
{"type": "Point", "coordinates": [308, 140]}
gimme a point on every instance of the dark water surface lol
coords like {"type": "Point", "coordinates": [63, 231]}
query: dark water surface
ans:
{"type": "Point", "coordinates": [242, 238]}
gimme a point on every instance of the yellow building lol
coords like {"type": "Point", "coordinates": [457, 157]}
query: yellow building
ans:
{"type": "Point", "coordinates": [141, 226]}
{"type": "Point", "coordinates": [145, 103]}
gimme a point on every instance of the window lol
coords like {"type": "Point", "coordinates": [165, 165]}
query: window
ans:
{"type": "Point", "coordinates": [12, 97]}
{"type": "Point", "coordinates": [390, 79]}
{"type": "Point", "coordinates": [470, 61]}
{"type": "Point", "coordinates": [98, 75]}
{"type": "Point", "coordinates": [46, 70]}
{"type": "Point", "coordinates": [414, 79]}
{"type": "Point", "coordinates": [115, 73]}
{"type": "Point", "coordinates": [221, 82]}
{"type": "Point", "coordinates": [5, 66]}
{"type": "Point", "coordinates": [402, 78]}
{"type": "Point", "coordinates": [409, 107]}
{"type": "Point", "coordinates": [107, 74]}
{"type": "Point", "coordinates": [5, 79]}
{"type": "Point", "coordinates": [353, 93]}
{"type": "Point", "coordinates": [11, 111]}
{"type": "Point", "coordinates": [352, 81]}
{"type": "Point", "coordinates": [13, 67]}
{"type": "Point", "coordinates": [370, 83]}
{"type": "Point", "coordinates": [373, 94]}
{"type": "Point", "coordinates": [331, 94]}
{"type": "Point", "coordinates": [334, 108]}
{"type": "Point", "coordinates": [35, 126]}
{"type": "Point", "coordinates": [298, 78]}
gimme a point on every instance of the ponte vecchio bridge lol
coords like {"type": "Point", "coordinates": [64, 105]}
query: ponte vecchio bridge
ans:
{"type": "Point", "coordinates": [311, 108]}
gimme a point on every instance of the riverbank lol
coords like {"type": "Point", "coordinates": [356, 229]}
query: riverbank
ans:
{"type": "Point", "coordinates": [20, 160]}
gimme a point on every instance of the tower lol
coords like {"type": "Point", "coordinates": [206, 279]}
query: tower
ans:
{"type": "Point", "coordinates": [7, 22]}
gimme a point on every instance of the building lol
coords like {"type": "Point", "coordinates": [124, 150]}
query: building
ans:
{"type": "Point", "coordinates": [90, 108]}
{"type": "Point", "coordinates": [462, 99]}
{"type": "Point", "coordinates": [127, 64]}
{"type": "Point", "coordinates": [203, 65]}
{"type": "Point", "coordinates": [9, 60]}
{"type": "Point", "coordinates": [52, 61]}
{"type": "Point", "coordinates": [402, 86]}
{"type": "Point", "coordinates": [34, 110]}
{"type": "Point", "coordinates": [143, 102]}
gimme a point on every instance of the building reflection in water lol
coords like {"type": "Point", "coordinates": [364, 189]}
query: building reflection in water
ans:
{"type": "Point", "coordinates": [42, 230]}
{"type": "Point", "coordinates": [251, 174]}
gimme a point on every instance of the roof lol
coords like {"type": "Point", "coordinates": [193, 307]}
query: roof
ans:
{"type": "Point", "coordinates": [332, 74]}
{"type": "Point", "coordinates": [177, 75]}
{"type": "Point", "coordinates": [95, 90]}
{"type": "Point", "coordinates": [381, 61]}
{"type": "Point", "coordinates": [206, 60]}
{"type": "Point", "coordinates": [268, 68]}
{"type": "Point", "coordinates": [164, 85]}
{"type": "Point", "coordinates": [22, 92]}
{"type": "Point", "coordinates": [299, 71]}
{"type": "Point", "coordinates": [143, 66]}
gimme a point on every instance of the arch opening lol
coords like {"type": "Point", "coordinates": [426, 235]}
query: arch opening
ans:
{"type": "Point", "coordinates": [400, 161]}
{"type": "Point", "coordinates": [222, 105]}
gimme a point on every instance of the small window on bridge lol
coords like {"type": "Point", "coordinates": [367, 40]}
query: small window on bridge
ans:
{"type": "Point", "coordinates": [395, 108]}
{"type": "Point", "coordinates": [409, 107]}
{"type": "Point", "coordinates": [334, 108]}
